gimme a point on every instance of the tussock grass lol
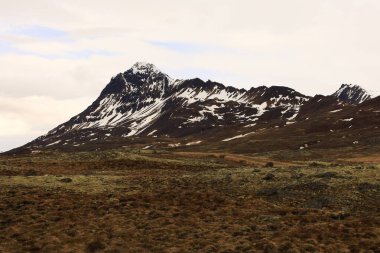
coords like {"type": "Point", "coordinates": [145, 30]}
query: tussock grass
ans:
{"type": "Point", "coordinates": [119, 201]}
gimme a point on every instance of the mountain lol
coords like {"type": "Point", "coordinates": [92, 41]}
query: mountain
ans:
{"type": "Point", "coordinates": [353, 94]}
{"type": "Point", "coordinates": [143, 106]}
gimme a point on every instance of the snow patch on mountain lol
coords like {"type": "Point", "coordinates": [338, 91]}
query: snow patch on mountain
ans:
{"type": "Point", "coordinates": [238, 136]}
{"type": "Point", "coordinates": [144, 68]}
{"type": "Point", "coordinates": [193, 143]}
{"type": "Point", "coordinates": [194, 95]}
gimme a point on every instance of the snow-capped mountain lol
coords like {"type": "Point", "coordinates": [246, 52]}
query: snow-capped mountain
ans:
{"type": "Point", "coordinates": [144, 102]}
{"type": "Point", "coordinates": [353, 94]}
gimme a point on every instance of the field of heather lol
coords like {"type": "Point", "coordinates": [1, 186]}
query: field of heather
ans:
{"type": "Point", "coordinates": [119, 201]}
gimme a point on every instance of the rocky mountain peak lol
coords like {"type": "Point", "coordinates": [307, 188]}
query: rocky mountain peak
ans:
{"type": "Point", "coordinates": [144, 68]}
{"type": "Point", "coordinates": [351, 93]}
{"type": "Point", "coordinates": [141, 79]}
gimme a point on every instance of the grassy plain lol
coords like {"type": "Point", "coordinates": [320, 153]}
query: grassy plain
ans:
{"type": "Point", "coordinates": [161, 201]}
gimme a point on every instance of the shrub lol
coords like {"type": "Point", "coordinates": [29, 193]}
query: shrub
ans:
{"type": "Point", "coordinates": [95, 246]}
{"type": "Point", "coordinates": [269, 165]}
{"type": "Point", "coordinates": [66, 180]}
{"type": "Point", "coordinates": [269, 177]}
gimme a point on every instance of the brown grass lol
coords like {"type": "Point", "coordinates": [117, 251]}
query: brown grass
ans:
{"type": "Point", "coordinates": [185, 203]}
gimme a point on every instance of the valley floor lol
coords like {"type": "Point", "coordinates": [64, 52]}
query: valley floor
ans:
{"type": "Point", "coordinates": [145, 201]}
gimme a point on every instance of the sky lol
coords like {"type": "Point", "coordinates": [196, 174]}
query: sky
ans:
{"type": "Point", "coordinates": [57, 55]}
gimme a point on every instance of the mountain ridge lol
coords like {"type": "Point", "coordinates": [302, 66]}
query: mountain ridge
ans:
{"type": "Point", "coordinates": [143, 101]}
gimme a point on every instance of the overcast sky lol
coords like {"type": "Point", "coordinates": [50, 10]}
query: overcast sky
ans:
{"type": "Point", "coordinates": [57, 55]}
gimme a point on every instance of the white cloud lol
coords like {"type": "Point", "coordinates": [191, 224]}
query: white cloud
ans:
{"type": "Point", "coordinates": [25, 118]}
{"type": "Point", "coordinates": [67, 50]}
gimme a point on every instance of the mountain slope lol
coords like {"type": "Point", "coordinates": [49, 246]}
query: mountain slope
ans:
{"type": "Point", "coordinates": [145, 105]}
